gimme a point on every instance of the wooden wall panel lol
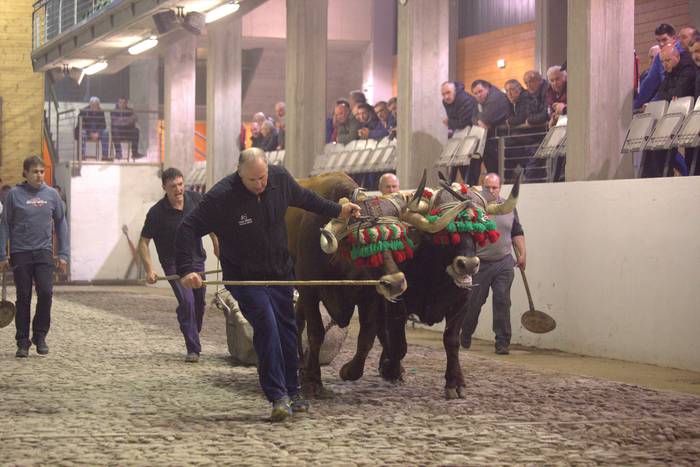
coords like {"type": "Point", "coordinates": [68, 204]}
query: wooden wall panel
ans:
{"type": "Point", "coordinates": [477, 55]}
{"type": "Point", "coordinates": [648, 14]}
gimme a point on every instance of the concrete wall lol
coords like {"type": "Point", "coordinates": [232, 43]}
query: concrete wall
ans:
{"type": "Point", "coordinates": [21, 90]}
{"type": "Point", "coordinates": [616, 264]}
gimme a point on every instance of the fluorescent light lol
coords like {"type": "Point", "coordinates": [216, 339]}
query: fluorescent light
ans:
{"type": "Point", "coordinates": [144, 45]}
{"type": "Point", "coordinates": [222, 10]}
{"type": "Point", "coordinates": [95, 67]}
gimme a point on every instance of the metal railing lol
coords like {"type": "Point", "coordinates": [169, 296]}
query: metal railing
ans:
{"type": "Point", "coordinates": [51, 18]}
{"type": "Point", "coordinates": [517, 147]}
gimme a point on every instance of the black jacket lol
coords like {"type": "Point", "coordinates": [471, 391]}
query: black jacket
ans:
{"type": "Point", "coordinates": [680, 82]}
{"type": "Point", "coordinates": [495, 108]}
{"type": "Point", "coordinates": [521, 109]}
{"type": "Point", "coordinates": [461, 112]}
{"type": "Point", "coordinates": [539, 113]}
{"type": "Point", "coordinates": [251, 229]}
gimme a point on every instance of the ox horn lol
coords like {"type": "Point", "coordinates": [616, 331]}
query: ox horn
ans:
{"type": "Point", "coordinates": [414, 204]}
{"type": "Point", "coordinates": [333, 231]}
{"type": "Point", "coordinates": [510, 203]}
{"type": "Point", "coordinates": [422, 224]}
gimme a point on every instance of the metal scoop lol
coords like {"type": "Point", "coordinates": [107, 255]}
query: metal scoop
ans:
{"type": "Point", "coordinates": [533, 320]}
{"type": "Point", "coordinates": [7, 308]}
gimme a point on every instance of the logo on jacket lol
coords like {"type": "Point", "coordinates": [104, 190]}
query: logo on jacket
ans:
{"type": "Point", "coordinates": [245, 220]}
{"type": "Point", "coordinates": [37, 202]}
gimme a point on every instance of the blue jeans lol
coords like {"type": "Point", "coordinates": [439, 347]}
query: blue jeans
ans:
{"type": "Point", "coordinates": [270, 311]}
{"type": "Point", "coordinates": [103, 138]}
{"type": "Point", "coordinates": [497, 275]}
{"type": "Point", "coordinates": [190, 309]}
{"type": "Point", "coordinates": [29, 267]}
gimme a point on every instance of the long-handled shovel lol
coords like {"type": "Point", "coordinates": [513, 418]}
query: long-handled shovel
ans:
{"type": "Point", "coordinates": [7, 308]}
{"type": "Point", "coordinates": [533, 320]}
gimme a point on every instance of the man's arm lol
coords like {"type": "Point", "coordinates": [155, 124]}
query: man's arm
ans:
{"type": "Point", "coordinates": [202, 220]}
{"type": "Point", "coordinates": [648, 87]}
{"type": "Point", "coordinates": [465, 114]}
{"type": "Point", "coordinates": [309, 201]}
{"type": "Point", "coordinates": [145, 255]}
{"type": "Point", "coordinates": [519, 246]}
{"type": "Point", "coordinates": [215, 244]}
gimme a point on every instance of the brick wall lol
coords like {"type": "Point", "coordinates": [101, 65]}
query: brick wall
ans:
{"type": "Point", "coordinates": [21, 89]}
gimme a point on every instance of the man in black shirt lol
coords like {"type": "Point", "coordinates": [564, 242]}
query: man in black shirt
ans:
{"type": "Point", "coordinates": [246, 210]}
{"type": "Point", "coordinates": [162, 222]}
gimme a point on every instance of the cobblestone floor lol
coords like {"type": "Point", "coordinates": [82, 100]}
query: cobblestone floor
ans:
{"type": "Point", "coordinates": [115, 390]}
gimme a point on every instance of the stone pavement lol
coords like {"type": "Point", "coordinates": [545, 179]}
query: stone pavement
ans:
{"type": "Point", "coordinates": [115, 390]}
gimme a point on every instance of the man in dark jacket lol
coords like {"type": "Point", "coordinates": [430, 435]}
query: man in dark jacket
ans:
{"type": "Point", "coordinates": [495, 109]}
{"type": "Point", "coordinates": [246, 211]}
{"type": "Point", "coordinates": [679, 74]}
{"type": "Point", "coordinates": [521, 103]}
{"type": "Point", "coordinates": [537, 87]}
{"type": "Point", "coordinates": [460, 107]}
{"type": "Point", "coordinates": [32, 210]}
{"type": "Point", "coordinates": [94, 128]}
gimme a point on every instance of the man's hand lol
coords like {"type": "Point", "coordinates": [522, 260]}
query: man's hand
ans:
{"type": "Point", "coordinates": [62, 265]}
{"type": "Point", "coordinates": [521, 262]}
{"type": "Point", "coordinates": [192, 281]}
{"type": "Point", "coordinates": [151, 277]}
{"type": "Point", "coordinates": [349, 210]}
{"type": "Point", "coordinates": [363, 133]}
{"type": "Point", "coordinates": [3, 264]}
{"type": "Point", "coordinates": [94, 136]}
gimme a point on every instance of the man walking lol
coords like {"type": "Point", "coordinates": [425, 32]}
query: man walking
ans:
{"type": "Point", "coordinates": [162, 221]}
{"type": "Point", "coordinates": [496, 272]}
{"type": "Point", "coordinates": [246, 210]}
{"type": "Point", "coordinates": [32, 209]}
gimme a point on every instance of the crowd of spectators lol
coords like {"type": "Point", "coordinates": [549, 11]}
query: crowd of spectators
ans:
{"type": "Point", "coordinates": [355, 118]}
{"type": "Point", "coordinates": [92, 126]}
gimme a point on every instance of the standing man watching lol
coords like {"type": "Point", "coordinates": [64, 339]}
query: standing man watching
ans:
{"type": "Point", "coordinates": [32, 209]}
{"type": "Point", "coordinates": [246, 210]}
{"type": "Point", "coordinates": [162, 222]}
{"type": "Point", "coordinates": [496, 272]}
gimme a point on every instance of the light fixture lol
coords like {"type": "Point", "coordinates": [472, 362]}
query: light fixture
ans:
{"type": "Point", "coordinates": [95, 67]}
{"type": "Point", "coordinates": [501, 63]}
{"type": "Point", "coordinates": [143, 46]}
{"type": "Point", "coordinates": [222, 10]}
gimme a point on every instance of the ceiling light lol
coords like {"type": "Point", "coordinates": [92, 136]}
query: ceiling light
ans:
{"type": "Point", "coordinates": [95, 67]}
{"type": "Point", "coordinates": [222, 10]}
{"type": "Point", "coordinates": [144, 45]}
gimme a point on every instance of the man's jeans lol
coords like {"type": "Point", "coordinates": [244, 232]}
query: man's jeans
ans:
{"type": "Point", "coordinates": [29, 267]}
{"type": "Point", "coordinates": [497, 275]}
{"type": "Point", "coordinates": [103, 138]}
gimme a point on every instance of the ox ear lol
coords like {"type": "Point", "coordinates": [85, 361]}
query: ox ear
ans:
{"type": "Point", "coordinates": [415, 201]}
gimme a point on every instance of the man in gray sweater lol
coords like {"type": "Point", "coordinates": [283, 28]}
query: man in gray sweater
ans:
{"type": "Point", "coordinates": [32, 209]}
{"type": "Point", "coordinates": [496, 273]}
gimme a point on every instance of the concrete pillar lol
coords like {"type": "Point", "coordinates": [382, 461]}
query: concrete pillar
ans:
{"type": "Point", "coordinates": [423, 62]}
{"type": "Point", "coordinates": [223, 98]}
{"type": "Point", "coordinates": [379, 56]}
{"type": "Point", "coordinates": [453, 71]}
{"type": "Point", "coordinates": [305, 89]}
{"type": "Point", "coordinates": [550, 35]}
{"type": "Point", "coordinates": [600, 60]}
{"type": "Point", "coordinates": [178, 100]}
{"type": "Point", "coordinates": [143, 98]}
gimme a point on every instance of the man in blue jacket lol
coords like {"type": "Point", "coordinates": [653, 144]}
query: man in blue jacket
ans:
{"type": "Point", "coordinates": [31, 210]}
{"type": "Point", "coordinates": [665, 34]}
{"type": "Point", "coordinates": [246, 212]}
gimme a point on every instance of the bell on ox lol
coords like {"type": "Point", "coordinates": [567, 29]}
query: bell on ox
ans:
{"type": "Point", "coordinates": [7, 308]}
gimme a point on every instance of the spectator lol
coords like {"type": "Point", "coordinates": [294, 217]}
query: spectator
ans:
{"type": "Point", "coordinates": [280, 126]}
{"type": "Point", "coordinates": [695, 54]}
{"type": "Point", "coordinates": [386, 119]}
{"type": "Point", "coordinates": [356, 98]}
{"type": "Point", "coordinates": [331, 124]}
{"type": "Point", "coordinates": [346, 126]}
{"type": "Point", "coordinates": [370, 127]}
{"type": "Point", "coordinates": [685, 36]}
{"type": "Point", "coordinates": [392, 106]}
{"type": "Point", "coordinates": [460, 107]}
{"type": "Point", "coordinates": [259, 118]}
{"type": "Point", "coordinates": [653, 52]}
{"type": "Point", "coordinates": [3, 192]}
{"type": "Point", "coordinates": [679, 74]}
{"type": "Point", "coordinates": [388, 184]}
{"type": "Point", "coordinates": [537, 87]}
{"type": "Point", "coordinates": [521, 102]}
{"type": "Point", "coordinates": [255, 135]}
{"type": "Point", "coordinates": [495, 109]}
{"type": "Point", "coordinates": [556, 94]}
{"type": "Point", "coordinates": [281, 134]}
{"type": "Point", "coordinates": [94, 127]}
{"type": "Point", "coordinates": [124, 129]}
{"type": "Point", "coordinates": [269, 137]}
{"type": "Point", "coordinates": [665, 34]}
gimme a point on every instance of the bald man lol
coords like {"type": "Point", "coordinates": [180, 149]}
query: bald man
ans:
{"type": "Point", "coordinates": [388, 184]}
{"type": "Point", "coordinates": [679, 74]}
{"type": "Point", "coordinates": [246, 211]}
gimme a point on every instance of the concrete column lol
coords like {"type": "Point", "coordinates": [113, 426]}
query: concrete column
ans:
{"type": "Point", "coordinates": [305, 89]}
{"type": "Point", "coordinates": [178, 100]}
{"type": "Point", "coordinates": [423, 62]}
{"type": "Point", "coordinates": [143, 98]}
{"type": "Point", "coordinates": [550, 35]}
{"type": "Point", "coordinates": [223, 98]}
{"type": "Point", "coordinates": [600, 60]}
{"type": "Point", "coordinates": [453, 72]}
{"type": "Point", "coordinates": [379, 56]}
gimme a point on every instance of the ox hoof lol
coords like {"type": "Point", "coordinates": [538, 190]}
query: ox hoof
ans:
{"type": "Point", "coordinates": [392, 373]}
{"type": "Point", "coordinates": [316, 390]}
{"type": "Point", "coordinates": [350, 372]}
{"type": "Point", "coordinates": [455, 393]}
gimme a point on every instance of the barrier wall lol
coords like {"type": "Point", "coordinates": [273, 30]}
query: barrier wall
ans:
{"type": "Point", "coordinates": [616, 264]}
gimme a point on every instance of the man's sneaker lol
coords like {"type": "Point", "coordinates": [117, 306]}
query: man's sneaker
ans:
{"type": "Point", "coordinates": [41, 347]}
{"type": "Point", "coordinates": [502, 349]}
{"type": "Point", "coordinates": [22, 352]}
{"type": "Point", "coordinates": [192, 357]}
{"type": "Point", "coordinates": [299, 404]}
{"type": "Point", "coordinates": [281, 409]}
